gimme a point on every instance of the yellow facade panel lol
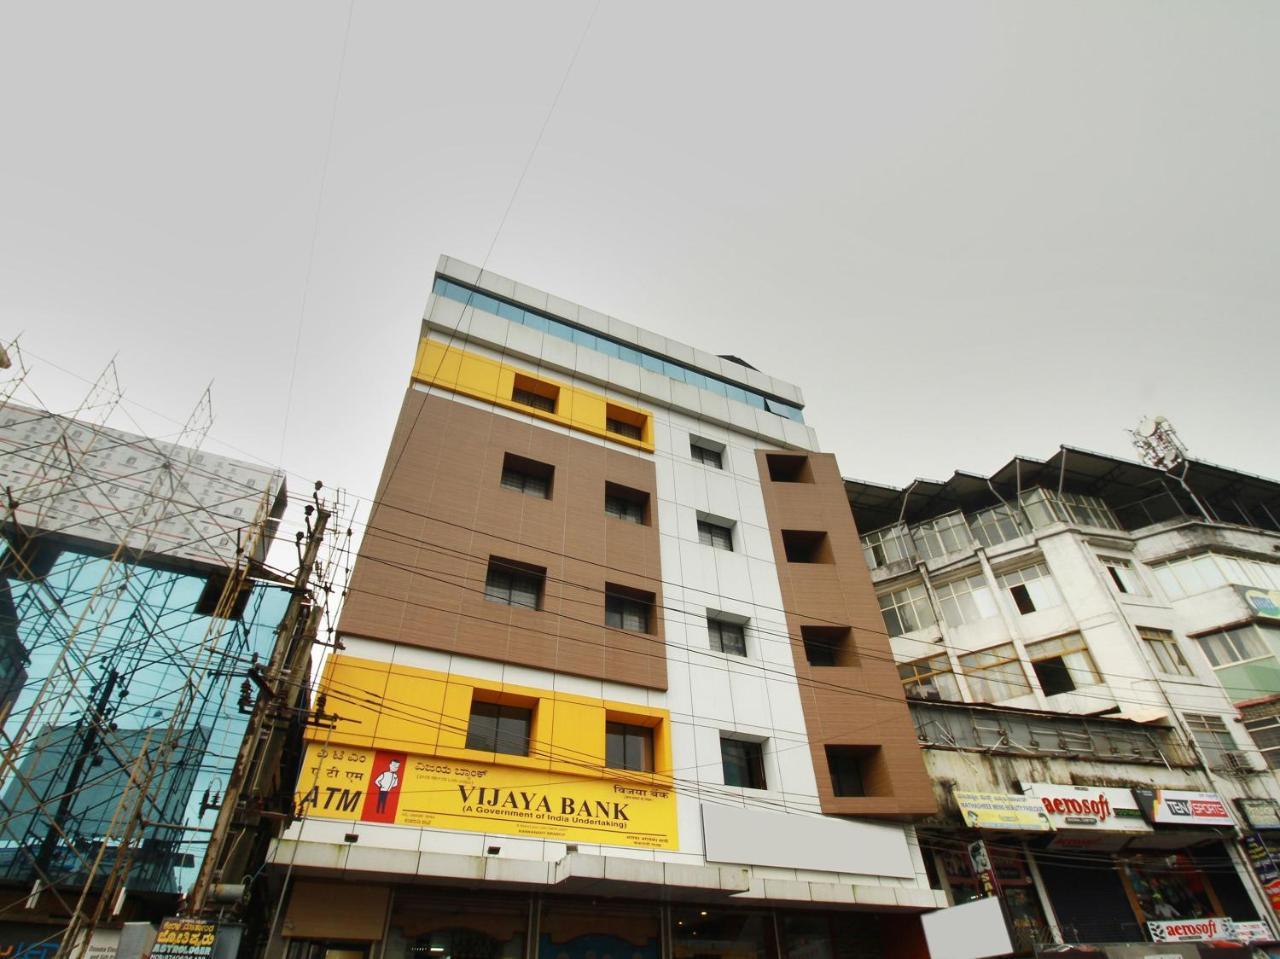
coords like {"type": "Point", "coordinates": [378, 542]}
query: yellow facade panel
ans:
{"type": "Point", "coordinates": [480, 377]}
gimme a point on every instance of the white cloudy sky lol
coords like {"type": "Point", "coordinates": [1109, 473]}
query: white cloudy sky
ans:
{"type": "Point", "coordinates": [967, 230]}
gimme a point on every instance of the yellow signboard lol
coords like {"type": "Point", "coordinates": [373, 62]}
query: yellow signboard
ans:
{"type": "Point", "coordinates": [1002, 811]}
{"type": "Point", "coordinates": [377, 785]}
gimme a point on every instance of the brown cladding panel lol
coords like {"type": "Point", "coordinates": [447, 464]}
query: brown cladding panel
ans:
{"type": "Point", "coordinates": [442, 512]}
{"type": "Point", "coordinates": [860, 705]}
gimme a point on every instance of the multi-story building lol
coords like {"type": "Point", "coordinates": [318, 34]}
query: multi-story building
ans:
{"type": "Point", "coordinates": [127, 635]}
{"type": "Point", "coordinates": [613, 679]}
{"type": "Point", "coordinates": [1080, 637]}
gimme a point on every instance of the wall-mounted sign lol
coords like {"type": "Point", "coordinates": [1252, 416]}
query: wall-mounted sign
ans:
{"type": "Point", "coordinates": [1002, 811]}
{"type": "Point", "coordinates": [1189, 930]}
{"type": "Point", "coordinates": [1174, 807]}
{"type": "Point", "coordinates": [983, 869]}
{"type": "Point", "coordinates": [1265, 603]}
{"type": "Point", "coordinates": [1260, 813]}
{"type": "Point", "coordinates": [377, 785]}
{"type": "Point", "coordinates": [1089, 807]}
{"type": "Point", "coordinates": [185, 939]}
{"type": "Point", "coordinates": [1255, 931]}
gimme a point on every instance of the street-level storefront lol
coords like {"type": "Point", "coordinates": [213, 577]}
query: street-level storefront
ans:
{"type": "Point", "coordinates": [431, 922]}
{"type": "Point", "coordinates": [1090, 864]}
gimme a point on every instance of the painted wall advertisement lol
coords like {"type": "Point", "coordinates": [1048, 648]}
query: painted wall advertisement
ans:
{"type": "Point", "coordinates": [1089, 807]}
{"type": "Point", "coordinates": [1174, 807]}
{"type": "Point", "coordinates": [380, 786]}
{"type": "Point", "coordinates": [1002, 811]}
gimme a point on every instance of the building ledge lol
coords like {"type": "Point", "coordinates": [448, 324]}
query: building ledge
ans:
{"type": "Point", "coordinates": [576, 873]}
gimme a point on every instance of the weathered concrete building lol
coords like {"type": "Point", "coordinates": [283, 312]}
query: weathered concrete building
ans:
{"type": "Point", "coordinates": [1084, 638]}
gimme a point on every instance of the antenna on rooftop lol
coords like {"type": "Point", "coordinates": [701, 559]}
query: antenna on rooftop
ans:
{"type": "Point", "coordinates": [1158, 444]}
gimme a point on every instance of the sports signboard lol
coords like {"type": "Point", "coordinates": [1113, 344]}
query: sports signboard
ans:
{"type": "Point", "coordinates": [1178, 808]}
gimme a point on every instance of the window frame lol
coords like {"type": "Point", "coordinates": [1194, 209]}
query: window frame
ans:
{"type": "Point", "coordinates": [1161, 645]}
{"type": "Point", "coordinates": [1071, 647]}
{"type": "Point", "coordinates": [629, 731]}
{"type": "Point", "coordinates": [715, 534]}
{"type": "Point", "coordinates": [621, 602]}
{"type": "Point", "coordinates": [716, 628]}
{"type": "Point", "coordinates": [502, 712]}
{"type": "Point", "coordinates": [951, 596]}
{"type": "Point", "coordinates": [1041, 590]}
{"type": "Point", "coordinates": [700, 451]}
{"type": "Point", "coordinates": [912, 596]}
{"type": "Point", "coordinates": [1213, 736]}
{"type": "Point", "coordinates": [627, 504]}
{"type": "Point", "coordinates": [993, 676]}
{"type": "Point", "coordinates": [926, 670]}
{"type": "Point", "coordinates": [523, 475]}
{"type": "Point", "coordinates": [514, 571]}
{"type": "Point", "coordinates": [1123, 575]}
{"type": "Point", "coordinates": [751, 761]}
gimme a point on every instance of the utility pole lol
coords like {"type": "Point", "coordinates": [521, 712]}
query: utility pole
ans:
{"type": "Point", "coordinates": [259, 757]}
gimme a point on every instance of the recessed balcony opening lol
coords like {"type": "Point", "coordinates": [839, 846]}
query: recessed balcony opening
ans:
{"type": "Point", "coordinates": [807, 546]}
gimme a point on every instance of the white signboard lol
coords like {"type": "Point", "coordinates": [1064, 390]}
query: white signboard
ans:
{"type": "Point", "coordinates": [1089, 807]}
{"type": "Point", "coordinates": [1189, 930]}
{"type": "Point", "coordinates": [1251, 931]}
{"type": "Point", "coordinates": [1183, 808]}
{"type": "Point", "coordinates": [972, 931]}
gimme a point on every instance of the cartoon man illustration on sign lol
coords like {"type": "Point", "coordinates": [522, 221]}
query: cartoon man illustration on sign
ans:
{"type": "Point", "coordinates": [387, 781]}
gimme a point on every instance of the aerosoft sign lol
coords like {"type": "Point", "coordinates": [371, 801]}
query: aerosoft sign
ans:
{"type": "Point", "coordinates": [1176, 808]}
{"type": "Point", "coordinates": [1189, 930]}
{"type": "Point", "coordinates": [1089, 807]}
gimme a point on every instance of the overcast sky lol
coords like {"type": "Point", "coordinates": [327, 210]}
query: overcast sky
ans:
{"type": "Point", "coordinates": [966, 230]}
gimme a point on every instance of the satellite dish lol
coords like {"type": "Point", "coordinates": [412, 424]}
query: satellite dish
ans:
{"type": "Point", "coordinates": [1150, 425]}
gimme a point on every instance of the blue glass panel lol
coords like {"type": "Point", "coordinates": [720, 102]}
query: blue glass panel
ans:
{"type": "Point", "coordinates": [607, 347]}
{"type": "Point", "coordinates": [674, 370]}
{"type": "Point", "coordinates": [535, 322]}
{"type": "Point", "coordinates": [735, 393]}
{"type": "Point", "coordinates": [481, 301]}
{"type": "Point", "coordinates": [582, 338]}
{"type": "Point", "coordinates": [651, 363]}
{"type": "Point", "coordinates": [556, 328]}
{"type": "Point", "coordinates": [756, 400]}
{"type": "Point", "coordinates": [628, 354]}
{"type": "Point", "coordinates": [512, 313]}
{"type": "Point", "coordinates": [694, 378]}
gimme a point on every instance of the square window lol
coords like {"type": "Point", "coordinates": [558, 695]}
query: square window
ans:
{"type": "Point", "coordinates": [707, 452]}
{"type": "Point", "coordinates": [848, 767]}
{"type": "Point", "coordinates": [789, 468]}
{"type": "Point", "coordinates": [1062, 664]}
{"type": "Point", "coordinates": [712, 533]}
{"type": "Point", "coordinates": [628, 747]}
{"type": "Point", "coordinates": [527, 476]}
{"type": "Point", "coordinates": [1163, 651]}
{"type": "Point", "coordinates": [743, 763]}
{"type": "Point", "coordinates": [1123, 575]}
{"type": "Point", "coordinates": [513, 583]}
{"type": "Point", "coordinates": [828, 646]}
{"type": "Point", "coordinates": [727, 636]}
{"type": "Point", "coordinates": [806, 546]}
{"type": "Point", "coordinates": [626, 503]}
{"type": "Point", "coordinates": [1031, 588]}
{"type": "Point", "coordinates": [535, 393]}
{"type": "Point", "coordinates": [499, 729]}
{"type": "Point", "coordinates": [628, 609]}
{"type": "Point", "coordinates": [624, 422]}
